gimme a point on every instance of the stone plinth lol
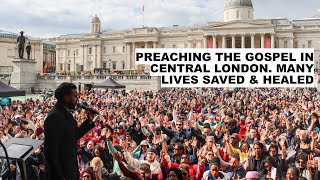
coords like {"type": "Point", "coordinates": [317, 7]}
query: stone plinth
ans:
{"type": "Point", "coordinates": [23, 75]}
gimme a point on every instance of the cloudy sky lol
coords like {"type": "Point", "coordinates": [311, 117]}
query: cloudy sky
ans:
{"type": "Point", "coordinates": [50, 18]}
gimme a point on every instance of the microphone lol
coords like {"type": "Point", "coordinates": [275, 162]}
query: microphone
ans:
{"type": "Point", "coordinates": [88, 108]}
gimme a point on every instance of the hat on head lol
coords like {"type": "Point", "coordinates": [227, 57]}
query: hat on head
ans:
{"type": "Point", "coordinates": [252, 174]}
{"type": "Point", "coordinates": [153, 150]}
{"type": "Point", "coordinates": [242, 117]}
{"type": "Point", "coordinates": [122, 123]}
{"type": "Point", "coordinates": [206, 122]}
{"type": "Point", "coordinates": [144, 143]}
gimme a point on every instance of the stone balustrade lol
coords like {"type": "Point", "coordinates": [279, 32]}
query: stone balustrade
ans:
{"type": "Point", "coordinates": [143, 82]}
{"type": "Point", "coordinates": [94, 77]}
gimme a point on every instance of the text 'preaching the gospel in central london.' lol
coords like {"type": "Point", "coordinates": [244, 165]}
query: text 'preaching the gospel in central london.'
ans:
{"type": "Point", "coordinates": [229, 67]}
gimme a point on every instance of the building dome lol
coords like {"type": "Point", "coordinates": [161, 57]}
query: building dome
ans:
{"type": "Point", "coordinates": [95, 25]}
{"type": "Point", "coordinates": [237, 3]}
{"type": "Point", "coordinates": [238, 10]}
{"type": "Point", "coordinates": [95, 19]}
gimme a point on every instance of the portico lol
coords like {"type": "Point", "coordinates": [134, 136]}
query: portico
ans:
{"type": "Point", "coordinates": [227, 35]}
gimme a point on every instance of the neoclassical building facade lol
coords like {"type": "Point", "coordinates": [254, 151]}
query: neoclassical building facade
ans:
{"type": "Point", "coordinates": [43, 52]}
{"type": "Point", "coordinates": [115, 49]}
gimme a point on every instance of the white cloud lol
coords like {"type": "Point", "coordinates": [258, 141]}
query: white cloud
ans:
{"type": "Point", "coordinates": [53, 18]}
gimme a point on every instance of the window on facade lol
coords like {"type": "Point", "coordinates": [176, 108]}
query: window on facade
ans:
{"type": "Point", "coordinates": [174, 46]}
{"type": "Point", "coordinates": [249, 14]}
{"type": "Point", "coordinates": [104, 65]}
{"type": "Point", "coordinates": [77, 52]}
{"type": "Point", "coordinates": [114, 65]}
{"type": "Point", "coordinates": [68, 52]}
{"type": "Point", "coordinates": [309, 44]}
{"type": "Point", "coordinates": [61, 67]}
{"type": "Point", "coordinates": [123, 49]}
{"type": "Point", "coordinates": [69, 67]}
{"type": "Point", "coordinates": [90, 50]}
{"type": "Point", "coordinates": [113, 49]}
{"type": "Point", "coordinates": [104, 50]}
{"type": "Point", "coordinates": [123, 65]}
{"type": "Point", "coordinates": [285, 44]}
{"type": "Point", "coordinates": [295, 45]}
{"type": "Point", "coordinates": [238, 14]}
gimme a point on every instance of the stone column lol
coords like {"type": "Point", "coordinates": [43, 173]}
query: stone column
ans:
{"type": "Point", "coordinates": [214, 41]}
{"type": "Point", "coordinates": [199, 43]}
{"type": "Point", "coordinates": [189, 43]}
{"type": "Point", "coordinates": [65, 59]}
{"type": "Point", "coordinates": [272, 40]}
{"type": "Point", "coordinates": [262, 40]}
{"type": "Point", "coordinates": [233, 37]}
{"type": "Point", "coordinates": [145, 44]}
{"type": "Point", "coordinates": [243, 40]}
{"type": "Point", "coordinates": [252, 40]}
{"type": "Point", "coordinates": [85, 58]}
{"type": "Point", "coordinates": [82, 50]}
{"type": "Point", "coordinates": [134, 56]}
{"type": "Point", "coordinates": [290, 42]}
{"type": "Point", "coordinates": [57, 61]}
{"type": "Point", "coordinates": [94, 51]}
{"type": "Point", "coordinates": [99, 56]}
{"type": "Point", "coordinates": [154, 45]}
{"type": "Point", "coordinates": [205, 41]}
{"type": "Point", "coordinates": [128, 55]}
{"type": "Point", "coordinates": [223, 40]}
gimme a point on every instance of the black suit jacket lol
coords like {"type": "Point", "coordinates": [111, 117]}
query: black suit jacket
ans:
{"type": "Point", "coordinates": [60, 145]}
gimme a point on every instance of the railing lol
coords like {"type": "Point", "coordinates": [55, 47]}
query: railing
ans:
{"type": "Point", "coordinates": [95, 77]}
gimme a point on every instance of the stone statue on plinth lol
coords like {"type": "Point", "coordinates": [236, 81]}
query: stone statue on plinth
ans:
{"type": "Point", "coordinates": [21, 40]}
{"type": "Point", "coordinates": [28, 50]}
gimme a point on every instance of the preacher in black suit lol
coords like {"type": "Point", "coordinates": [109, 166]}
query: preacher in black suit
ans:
{"type": "Point", "coordinates": [61, 135]}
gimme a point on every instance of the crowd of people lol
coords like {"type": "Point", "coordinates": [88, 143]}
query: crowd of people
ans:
{"type": "Point", "coordinates": [183, 134]}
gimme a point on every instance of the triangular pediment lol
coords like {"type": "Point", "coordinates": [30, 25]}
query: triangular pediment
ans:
{"type": "Point", "coordinates": [238, 24]}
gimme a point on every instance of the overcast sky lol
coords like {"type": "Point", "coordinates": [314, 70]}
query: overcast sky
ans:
{"type": "Point", "coordinates": [50, 18]}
